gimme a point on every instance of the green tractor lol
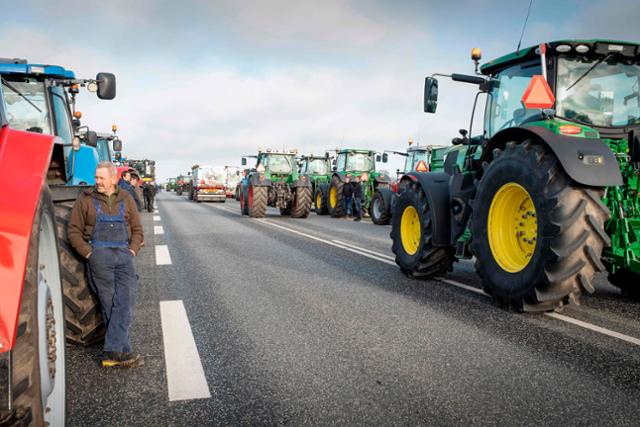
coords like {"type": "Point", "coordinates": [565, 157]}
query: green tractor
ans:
{"type": "Point", "coordinates": [357, 163]}
{"type": "Point", "coordinates": [418, 158]}
{"type": "Point", "coordinates": [547, 194]}
{"type": "Point", "coordinates": [318, 171]}
{"type": "Point", "coordinates": [275, 181]}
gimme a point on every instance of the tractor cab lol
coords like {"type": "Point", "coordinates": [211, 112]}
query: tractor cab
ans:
{"type": "Point", "coordinates": [41, 98]}
{"type": "Point", "coordinates": [315, 165]}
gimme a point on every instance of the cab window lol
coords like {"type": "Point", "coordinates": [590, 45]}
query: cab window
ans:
{"type": "Point", "coordinates": [504, 108]}
{"type": "Point", "coordinates": [61, 115]}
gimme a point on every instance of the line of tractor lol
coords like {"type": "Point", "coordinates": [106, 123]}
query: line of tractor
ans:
{"type": "Point", "coordinates": [542, 196]}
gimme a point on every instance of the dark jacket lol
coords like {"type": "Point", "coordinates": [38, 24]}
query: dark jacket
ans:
{"type": "Point", "coordinates": [83, 219]}
{"type": "Point", "coordinates": [357, 190]}
{"type": "Point", "coordinates": [347, 189]}
{"type": "Point", "coordinates": [148, 190]}
{"type": "Point", "coordinates": [126, 185]}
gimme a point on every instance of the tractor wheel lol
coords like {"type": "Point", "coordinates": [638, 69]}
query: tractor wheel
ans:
{"type": "Point", "coordinates": [301, 202]}
{"type": "Point", "coordinates": [244, 205]}
{"type": "Point", "coordinates": [335, 204]}
{"type": "Point", "coordinates": [38, 377]}
{"type": "Point", "coordinates": [628, 282]}
{"type": "Point", "coordinates": [321, 200]}
{"type": "Point", "coordinates": [412, 231]}
{"type": "Point", "coordinates": [82, 308]}
{"type": "Point", "coordinates": [537, 235]}
{"type": "Point", "coordinates": [380, 212]}
{"type": "Point", "coordinates": [257, 201]}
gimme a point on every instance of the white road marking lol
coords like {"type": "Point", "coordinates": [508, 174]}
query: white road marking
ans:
{"type": "Point", "coordinates": [162, 255]}
{"type": "Point", "coordinates": [157, 229]}
{"type": "Point", "coordinates": [595, 328]}
{"type": "Point", "coordinates": [364, 250]}
{"type": "Point", "coordinates": [386, 259]}
{"type": "Point", "coordinates": [156, 217]}
{"type": "Point", "coordinates": [462, 285]}
{"type": "Point", "coordinates": [309, 236]}
{"type": "Point", "coordinates": [185, 375]}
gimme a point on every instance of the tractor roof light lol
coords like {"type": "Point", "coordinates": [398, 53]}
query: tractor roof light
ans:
{"type": "Point", "coordinates": [114, 128]}
{"type": "Point", "coordinates": [582, 48]}
{"type": "Point", "coordinates": [563, 48]}
{"type": "Point", "coordinates": [77, 114]}
{"type": "Point", "coordinates": [476, 54]}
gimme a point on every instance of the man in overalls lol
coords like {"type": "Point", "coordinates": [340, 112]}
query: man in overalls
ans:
{"type": "Point", "coordinates": [105, 228]}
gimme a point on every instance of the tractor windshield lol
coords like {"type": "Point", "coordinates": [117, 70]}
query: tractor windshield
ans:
{"type": "Point", "coordinates": [103, 150]}
{"type": "Point", "coordinates": [360, 162]}
{"type": "Point", "coordinates": [278, 163]}
{"type": "Point", "coordinates": [26, 106]}
{"type": "Point", "coordinates": [414, 157]}
{"type": "Point", "coordinates": [598, 92]}
{"type": "Point", "coordinates": [318, 167]}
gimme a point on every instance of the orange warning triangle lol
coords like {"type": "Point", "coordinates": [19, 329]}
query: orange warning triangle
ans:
{"type": "Point", "coordinates": [538, 94]}
{"type": "Point", "coordinates": [422, 167]}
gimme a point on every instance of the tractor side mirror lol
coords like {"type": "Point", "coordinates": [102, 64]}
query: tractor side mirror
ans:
{"type": "Point", "coordinates": [106, 85]}
{"type": "Point", "coordinates": [91, 138]}
{"type": "Point", "coordinates": [117, 144]}
{"type": "Point", "coordinates": [430, 95]}
{"type": "Point", "coordinates": [378, 158]}
{"type": "Point", "coordinates": [385, 157]}
{"type": "Point", "coordinates": [118, 156]}
{"type": "Point", "coordinates": [244, 161]}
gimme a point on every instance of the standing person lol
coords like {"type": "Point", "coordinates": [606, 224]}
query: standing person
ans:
{"type": "Point", "coordinates": [347, 194]}
{"type": "Point", "coordinates": [149, 191]}
{"type": "Point", "coordinates": [105, 228]}
{"type": "Point", "coordinates": [357, 198]}
{"type": "Point", "coordinates": [137, 189]}
{"type": "Point", "coordinates": [125, 184]}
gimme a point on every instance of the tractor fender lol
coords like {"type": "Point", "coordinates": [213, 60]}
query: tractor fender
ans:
{"type": "Point", "coordinates": [340, 177]}
{"type": "Point", "coordinates": [386, 196]}
{"type": "Point", "coordinates": [588, 161]}
{"type": "Point", "coordinates": [302, 181]}
{"type": "Point", "coordinates": [24, 161]}
{"type": "Point", "coordinates": [254, 180]}
{"type": "Point", "coordinates": [436, 188]}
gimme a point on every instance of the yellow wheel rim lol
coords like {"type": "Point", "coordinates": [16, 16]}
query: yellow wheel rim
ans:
{"type": "Point", "coordinates": [318, 200]}
{"type": "Point", "coordinates": [512, 227]}
{"type": "Point", "coordinates": [333, 197]}
{"type": "Point", "coordinates": [410, 230]}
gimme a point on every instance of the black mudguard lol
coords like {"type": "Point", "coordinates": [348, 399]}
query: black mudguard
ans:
{"type": "Point", "coordinates": [436, 187]}
{"type": "Point", "coordinates": [588, 161]}
{"type": "Point", "coordinates": [255, 181]}
{"type": "Point", "coordinates": [302, 182]}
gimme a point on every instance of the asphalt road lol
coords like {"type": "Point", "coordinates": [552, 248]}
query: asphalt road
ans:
{"type": "Point", "coordinates": [309, 321]}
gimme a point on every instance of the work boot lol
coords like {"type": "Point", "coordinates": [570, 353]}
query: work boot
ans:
{"type": "Point", "coordinates": [116, 359]}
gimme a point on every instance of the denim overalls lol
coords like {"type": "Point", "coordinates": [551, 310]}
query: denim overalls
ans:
{"type": "Point", "coordinates": [113, 276]}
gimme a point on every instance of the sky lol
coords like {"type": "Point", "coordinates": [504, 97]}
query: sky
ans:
{"type": "Point", "coordinates": [209, 81]}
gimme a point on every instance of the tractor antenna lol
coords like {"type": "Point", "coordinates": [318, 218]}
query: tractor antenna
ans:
{"type": "Point", "coordinates": [526, 19]}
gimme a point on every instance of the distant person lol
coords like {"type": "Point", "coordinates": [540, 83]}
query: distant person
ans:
{"type": "Point", "coordinates": [347, 195]}
{"type": "Point", "coordinates": [137, 188]}
{"type": "Point", "coordinates": [125, 184]}
{"type": "Point", "coordinates": [105, 228]}
{"type": "Point", "coordinates": [149, 192]}
{"type": "Point", "coordinates": [357, 198]}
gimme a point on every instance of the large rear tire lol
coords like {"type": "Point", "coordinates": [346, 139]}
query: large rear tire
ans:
{"type": "Point", "coordinates": [537, 235]}
{"type": "Point", "coordinates": [257, 201]}
{"type": "Point", "coordinates": [380, 211]}
{"type": "Point", "coordinates": [82, 307]}
{"type": "Point", "coordinates": [320, 198]}
{"type": "Point", "coordinates": [335, 204]}
{"type": "Point", "coordinates": [38, 381]}
{"type": "Point", "coordinates": [412, 232]}
{"type": "Point", "coordinates": [301, 203]}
